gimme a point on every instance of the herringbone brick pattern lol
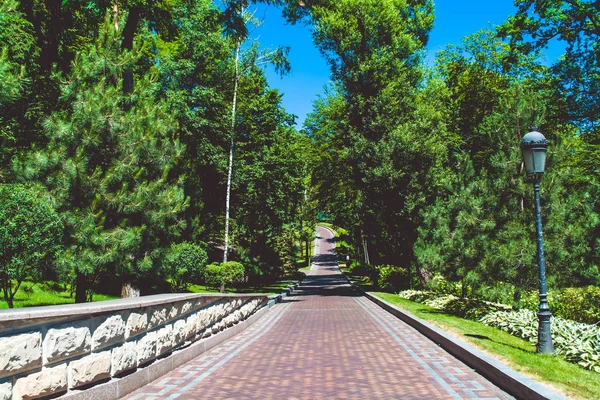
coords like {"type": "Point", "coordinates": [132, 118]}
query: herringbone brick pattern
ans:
{"type": "Point", "coordinates": [326, 342]}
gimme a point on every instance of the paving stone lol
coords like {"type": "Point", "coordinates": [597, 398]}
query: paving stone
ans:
{"type": "Point", "coordinates": [324, 341]}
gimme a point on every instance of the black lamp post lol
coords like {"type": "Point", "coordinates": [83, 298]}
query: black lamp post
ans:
{"type": "Point", "coordinates": [533, 148]}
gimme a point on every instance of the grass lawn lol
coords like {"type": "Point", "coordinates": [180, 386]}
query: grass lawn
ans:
{"type": "Point", "coordinates": [269, 288]}
{"type": "Point", "coordinates": [41, 294]}
{"type": "Point", "coordinates": [574, 381]}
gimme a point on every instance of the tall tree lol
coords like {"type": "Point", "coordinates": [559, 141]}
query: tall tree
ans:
{"type": "Point", "coordinates": [107, 166]}
{"type": "Point", "coordinates": [539, 24]}
{"type": "Point", "coordinates": [244, 60]}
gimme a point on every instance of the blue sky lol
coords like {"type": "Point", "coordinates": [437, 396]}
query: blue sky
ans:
{"type": "Point", "coordinates": [454, 20]}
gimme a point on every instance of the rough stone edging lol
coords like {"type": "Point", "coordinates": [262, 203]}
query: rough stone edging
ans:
{"type": "Point", "coordinates": [276, 298]}
{"type": "Point", "coordinates": [116, 389]}
{"type": "Point", "coordinates": [507, 379]}
{"type": "Point", "coordinates": [19, 319]}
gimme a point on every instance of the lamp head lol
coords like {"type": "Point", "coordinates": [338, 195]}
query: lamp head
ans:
{"type": "Point", "coordinates": [533, 148]}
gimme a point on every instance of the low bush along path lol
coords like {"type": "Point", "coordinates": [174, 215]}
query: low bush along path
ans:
{"type": "Point", "coordinates": [326, 341]}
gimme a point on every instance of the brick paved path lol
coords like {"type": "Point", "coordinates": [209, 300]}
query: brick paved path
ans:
{"type": "Point", "coordinates": [325, 342]}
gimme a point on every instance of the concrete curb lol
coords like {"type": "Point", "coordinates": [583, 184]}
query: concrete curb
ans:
{"type": "Point", "coordinates": [504, 377]}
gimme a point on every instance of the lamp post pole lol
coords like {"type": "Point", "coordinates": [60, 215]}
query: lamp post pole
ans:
{"type": "Point", "coordinates": [533, 148]}
{"type": "Point", "coordinates": [544, 344]}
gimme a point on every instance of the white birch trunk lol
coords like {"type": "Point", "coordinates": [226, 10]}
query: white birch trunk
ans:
{"type": "Point", "coordinates": [230, 169]}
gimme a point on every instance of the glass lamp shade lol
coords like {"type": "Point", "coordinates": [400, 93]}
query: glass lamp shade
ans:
{"type": "Point", "coordinates": [533, 148]}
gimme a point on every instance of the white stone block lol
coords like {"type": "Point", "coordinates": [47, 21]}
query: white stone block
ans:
{"type": "Point", "coordinates": [164, 339]}
{"type": "Point", "coordinates": [6, 390]}
{"type": "Point", "coordinates": [146, 348]}
{"type": "Point", "coordinates": [186, 307]}
{"type": "Point", "coordinates": [20, 353]}
{"type": "Point", "coordinates": [158, 317]}
{"type": "Point", "coordinates": [136, 324]}
{"type": "Point", "coordinates": [190, 325]}
{"type": "Point", "coordinates": [67, 341]}
{"type": "Point", "coordinates": [124, 358]}
{"type": "Point", "coordinates": [173, 312]}
{"type": "Point", "coordinates": [89, 369]}
{"type": "Point", "coordinates": [109, 330]}
{"type": "Point", "coordinates": [47, 382]}
{"type": "Point", "coordinates": [179, 331]}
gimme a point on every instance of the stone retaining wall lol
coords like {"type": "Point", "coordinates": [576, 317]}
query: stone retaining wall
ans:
{"type": "Point", "coordinates": [59, 350]}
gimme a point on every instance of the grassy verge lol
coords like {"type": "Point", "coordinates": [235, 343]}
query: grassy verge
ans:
{"type": "Point", "coordinates": [519, 354]}
{"type": "Point", "coordinates": [269, 288]}
{"type": "Point", "coordinates": [42, 294]}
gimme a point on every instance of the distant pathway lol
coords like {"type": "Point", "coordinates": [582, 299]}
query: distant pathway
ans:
{"type": "Point", "coordinates": [325, 342]}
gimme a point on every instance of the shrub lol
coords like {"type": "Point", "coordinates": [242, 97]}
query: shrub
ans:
{"type": "Point", "coordinates": [420, 296]}
{"type": "Point", "coordinates": [185, 263]}
{"type": "Point", "coordinates": [30, 232]}
{"type": "Point", "coordinates": [579, 304]}
{"type": "Point", "coordinates": [466, 307]}
{"type": "Point", "coordinates": [223, 274]}
{"type": "Point", "coordinates": [392, 277]}
{"type": "Point", "coordinates": [578, 342]}
{"type": "Point", "coordinates": [359, 269]}
{"type": "Point", "coordinates": [441, 285]}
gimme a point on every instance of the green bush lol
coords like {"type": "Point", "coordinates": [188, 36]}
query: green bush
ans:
{"type": "Point", "coordinates": [465, 307]}
{"type": "Point", "coordinates": [392, 277]}
{"type": "Point", "coordinates": [359, 269]}
{"type": "Point", "coordinates": [185, 263]}
{"type": "Point", "coordinates": [580, 304]}
{"type": "Point", "coordinates": [222, 275]}
{"type": "Point", "coordinates": [441, 285]}
{"type": "Point", "coordinates": [578, 342]}
{"type": "Point", "coordinates": [419, 296]}
{"type": "Point", "coordinates": [30, 233]}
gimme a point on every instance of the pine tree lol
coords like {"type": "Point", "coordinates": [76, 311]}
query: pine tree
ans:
{"type": "Point", "coordinates": [107, 166]}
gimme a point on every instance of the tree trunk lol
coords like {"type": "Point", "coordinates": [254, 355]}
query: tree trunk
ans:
{"type": "Point", "coordinates": [128, 290]}
{"type": "Point", "coordinates": [80, 288]}
{"type": "Point", "coordinates": [8, 296]}
{"type": "Point", "coordinates": [128, 33]}
{"type": "Point", "coordinates": [365, 247]}
{"type": "Point", "coordinates": [307, 253]}
{"type": "Point", "coordinates": [230, 169]}
{"type": "Point", "coordinates": [222, 288]}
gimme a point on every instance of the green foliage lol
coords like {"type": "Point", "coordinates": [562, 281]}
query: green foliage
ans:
{"type": "Point", "coordinates": [575, 24]}
{"type": "Point", "coordinates": [392, 277]}
{"type": "Point", "coordinates": [581, 304]}
{"type": "Point", "coordinates": [184, 263]}
{"type": "Point", "coordinates": [578, 304]}
{"type": "Point", "coordinates": [107, 166]}
{"type": "Point", "coordinates": [222, 275]}
{"type": "Point", "coordinates": [420, 296]}
{"type": "Point", "coordinates": [470, 308]}
{"type": "Point", "coordinates": [30, 233]}
{"type": "Point", "coordinates": [579, 343]}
